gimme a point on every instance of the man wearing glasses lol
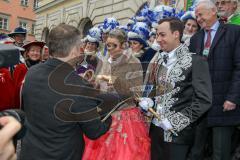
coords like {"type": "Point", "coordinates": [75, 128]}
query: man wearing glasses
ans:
{"type": "Point", "coordinates": [227, 11]}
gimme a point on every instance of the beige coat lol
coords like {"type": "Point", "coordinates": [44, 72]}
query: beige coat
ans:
{"type": "Point", "coordinates": [125, 72]}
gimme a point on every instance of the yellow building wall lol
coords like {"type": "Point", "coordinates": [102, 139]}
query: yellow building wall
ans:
{"type": "Point", "coordinates": [82, 13]}
{"type": "Point", "coordinates": [65, 4]}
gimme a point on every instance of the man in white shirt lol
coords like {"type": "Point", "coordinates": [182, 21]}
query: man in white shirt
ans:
{"type": "Point", "coordinates": [220, 44]}
{"type": "Point", "coordinates": [182, 93]}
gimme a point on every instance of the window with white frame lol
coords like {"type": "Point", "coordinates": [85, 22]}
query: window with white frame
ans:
{"type": "Point", "coordinates": [23, 24]}
{"type": "Point", "coordinates": [24, 2]}
{"type": "Point", "coordinates": [3, 22]}
{"type": "Point", "coordinates": [35, 4]}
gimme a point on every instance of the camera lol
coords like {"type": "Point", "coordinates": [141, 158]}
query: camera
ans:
{"type": "Point", "coordinates": [9, 55]}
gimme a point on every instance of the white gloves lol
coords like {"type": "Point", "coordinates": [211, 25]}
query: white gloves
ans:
{"type": "Point", "coordinates": [165, 124]}
{"type": "Point", "coordinates": [146, 103]}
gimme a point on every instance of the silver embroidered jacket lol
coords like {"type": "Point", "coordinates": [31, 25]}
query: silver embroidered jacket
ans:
{"type": "Point", "coordinates": [183, 94]}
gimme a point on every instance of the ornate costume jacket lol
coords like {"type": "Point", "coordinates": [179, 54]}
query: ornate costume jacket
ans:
{"type": "Point", "coordinates": [182, 94]}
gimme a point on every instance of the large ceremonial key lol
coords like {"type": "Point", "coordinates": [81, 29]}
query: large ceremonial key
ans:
{"type": "Point", "coordinates": [155, 114]}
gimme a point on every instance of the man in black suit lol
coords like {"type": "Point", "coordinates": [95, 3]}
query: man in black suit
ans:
{"type": "Point", "coordinates": [182, 93]}
{"type": "Point", "coordinates": [220, 45]}
{"type": "Point", "coordinates": [60, 106]}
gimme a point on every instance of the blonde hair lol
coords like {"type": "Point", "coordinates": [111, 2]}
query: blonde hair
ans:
{"type": "Point", "coordinates": [119, 34]}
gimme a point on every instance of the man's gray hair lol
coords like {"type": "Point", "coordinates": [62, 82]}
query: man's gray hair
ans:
{"type": "Point", "coordinates": [207, 3]}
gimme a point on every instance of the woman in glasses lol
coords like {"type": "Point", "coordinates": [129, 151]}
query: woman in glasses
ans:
{"type": "Point", "coordinates": [128, 135]}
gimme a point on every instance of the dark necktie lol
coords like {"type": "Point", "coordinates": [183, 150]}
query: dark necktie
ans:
{"type": "Point", "coordinates": [165, 58]}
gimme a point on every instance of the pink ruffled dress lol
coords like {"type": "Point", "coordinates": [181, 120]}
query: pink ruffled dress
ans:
{"type": "Point", "coordinates": [127, 139]}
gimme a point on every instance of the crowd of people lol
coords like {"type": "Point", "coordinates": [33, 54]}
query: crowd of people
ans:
{"type": "Point", "coordinates": [163, 86]}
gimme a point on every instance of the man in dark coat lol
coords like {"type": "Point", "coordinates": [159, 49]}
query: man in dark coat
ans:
{"type": "Point", "coordinates": [220, 44]}
{"type": "Point", "coordinates": [60, 106]}
{"type": "Point", "coordinates": [183, 93]}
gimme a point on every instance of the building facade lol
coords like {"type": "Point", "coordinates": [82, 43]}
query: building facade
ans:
{"type": "Point", "coordinates": [15, 13]}
{"type": "Point", "coordinates": [82, 14]}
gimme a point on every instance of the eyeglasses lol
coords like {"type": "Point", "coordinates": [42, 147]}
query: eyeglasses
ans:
{"type": "Point", "coordinates": [111, 45]}
{"type": "Point", "coordinates": [222, 3]}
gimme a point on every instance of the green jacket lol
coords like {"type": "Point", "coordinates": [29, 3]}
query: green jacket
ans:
{"type": "Point", "coordinates": [234, 19]}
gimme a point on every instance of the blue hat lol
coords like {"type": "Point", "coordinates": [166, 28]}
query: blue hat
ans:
{"type": "Point", "coordinates": [109, 24]}
{"type": "Point", "coordinates": [131, 22]}
{"type": "Point", "coordinates": [18, 30]}
{"type": "Point", "coordinates": [142, 16]}
{"type": "Point", "coordinates": [153, 32]}
{"type": "Point", "coordinates": [152, 15]}
{"type": "Point", "coordinates": [100, 26]}
{"type": "Point", "coordinates": [140, 33]}
{"type": "Point", "coordinates": [188, 15]}
{"type": "Point", "coordinates": [180, 14]}
{"type": "Point", "coordinates": [94, 35]}
{"type": "Point", "coordinates": [164, 11]}
{"type": "Point", "coordinates": [124, 28]}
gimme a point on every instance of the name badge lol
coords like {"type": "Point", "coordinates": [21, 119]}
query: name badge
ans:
{"type": "Point", "coordinates": [206, 52]}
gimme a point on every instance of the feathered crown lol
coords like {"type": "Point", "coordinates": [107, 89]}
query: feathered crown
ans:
{"type": "Point", "coordinates": [164, 11]}
{"type": "Point", "coordinates": [142, 16]}
{"type": "Point", "coordinates": [188, 15]}
{"type": "Point", "coordinates": [94, 35]}
{"type": "Point", "coordinates": [140, 33]}
{"type": "Point", "coordinates": [124, 28]}
{"type": "Point", "coordinates": [109, 24]}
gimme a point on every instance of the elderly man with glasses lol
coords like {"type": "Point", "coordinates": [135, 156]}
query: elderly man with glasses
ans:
{"type": "Point", "coordinates": [227, 11]}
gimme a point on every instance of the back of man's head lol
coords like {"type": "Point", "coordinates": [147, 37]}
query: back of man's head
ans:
{"type": "Point", "coordinates": [62, 39]}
